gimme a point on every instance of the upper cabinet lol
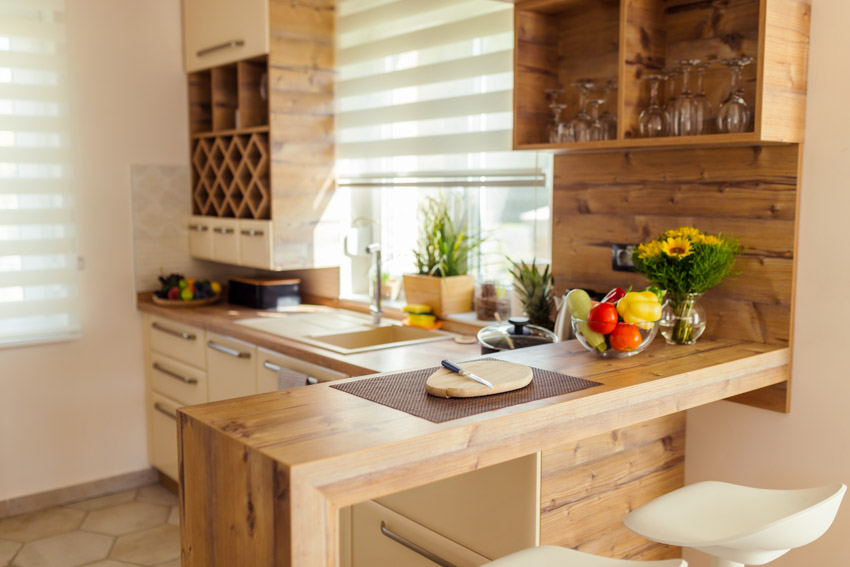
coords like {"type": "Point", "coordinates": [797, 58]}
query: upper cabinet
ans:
{"type": "Point", "coordinates": [561, 43]}
{"type": "Point", "coordinates": [223, 31]}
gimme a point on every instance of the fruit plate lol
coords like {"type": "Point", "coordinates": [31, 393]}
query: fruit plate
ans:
{"type": "Point", "coordinates": [179, 303]}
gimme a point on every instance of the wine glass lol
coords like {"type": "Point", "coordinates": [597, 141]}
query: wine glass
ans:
{"type": "Point", "coordinates": [581, 123]}
{"type": "Point", "coordinates": [556, 126]}
{"type": "Point", "coordinates": [735, 114]}
{"type": "Point", "coordinates": [685, 107]}
{"type": "Point", "coordinates": [653, 120]}
{"type": "Point", "coordinates": [671, 94]}
{"type": "Point", "coordinates": [608, 118]}
{"type": "Point", "coordinates": [702, 106]}
{"type": "Point", "coordinates": [598, 130]}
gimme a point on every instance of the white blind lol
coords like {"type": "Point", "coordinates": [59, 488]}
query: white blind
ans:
{"type": "Point", "coordinates": [424, 89]}
{"type": "Point", "coordinates": [38, 261]}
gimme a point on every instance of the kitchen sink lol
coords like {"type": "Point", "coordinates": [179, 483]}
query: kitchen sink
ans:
{"type": "Point", "coordinates": [341, 331]}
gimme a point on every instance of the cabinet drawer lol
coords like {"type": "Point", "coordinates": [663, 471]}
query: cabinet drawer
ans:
{"type": "Point", "coordinates": [373, 547]}
{"type": "Point", "coordinates": [269, 364]}
{"type": "Point", "coordinates": [222, 31]}
{"type": "Point", "coordinates": [225, 240]}
{"type": "Point", "coordinates": [200, 237]}
{"type": "Point", "coordinates": [231, 368]}
{"type": "Point", "coordinates": [177, 341]}
{"type": "Point", "coordinates": [255, 243]}
{"type": "Point", "coordinates": [178, 381]}
{"type": "Point", "coordinates": [162, 416]}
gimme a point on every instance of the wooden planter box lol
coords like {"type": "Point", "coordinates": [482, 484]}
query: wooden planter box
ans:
{"type": "Point", "coordinates": [444, 295]}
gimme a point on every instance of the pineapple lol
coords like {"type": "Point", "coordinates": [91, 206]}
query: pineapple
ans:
{"type": "Point", "coordinates": [535, 292]}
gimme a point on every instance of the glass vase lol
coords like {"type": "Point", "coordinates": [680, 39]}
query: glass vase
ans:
{"type": "Point", "coordinates": [683, 319]}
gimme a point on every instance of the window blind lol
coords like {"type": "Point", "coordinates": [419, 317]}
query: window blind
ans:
{"type": "Point", "coordinates": [38, 261]}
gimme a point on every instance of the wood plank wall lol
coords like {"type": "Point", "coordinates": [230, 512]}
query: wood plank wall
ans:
{"type": "Point", "coordinates": [630, 197]}
{"type": "Point", "coordinates": [587, 487]}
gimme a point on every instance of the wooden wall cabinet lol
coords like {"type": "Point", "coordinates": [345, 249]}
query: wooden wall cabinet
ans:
{"type": "Point", "coordinates": [216, 32]}
{"type": "Point", "coordinates": [561, 41]}
{"type": "Point", "coordinates": [262, 148]}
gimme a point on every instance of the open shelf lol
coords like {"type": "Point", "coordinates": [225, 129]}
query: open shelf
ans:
{"type": "Point", "coordinates": [229, 99]}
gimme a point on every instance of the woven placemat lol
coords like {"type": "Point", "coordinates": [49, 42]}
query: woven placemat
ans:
{"type": "Point", "coordinates": [405, 391]}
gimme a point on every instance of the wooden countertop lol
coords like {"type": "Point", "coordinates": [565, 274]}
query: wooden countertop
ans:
{"type": "Point", "coordinates": [220, 318]}
{"type": "Point", "coordinates": [313, 450]}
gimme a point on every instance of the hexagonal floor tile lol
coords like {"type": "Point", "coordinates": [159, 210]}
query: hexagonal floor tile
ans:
{"type": "Point", "coordinates": [174, 516]}
{"type": "Point", "coordinates": [66, 550]}
{"type": "Point", "coordinates": [126, 518]}
{"type": "Point", "coordinates": [38, 525]}
{"type": "Point", "coordinates": [8, 549]}
{"type": "Point", "coordinates": [104, 501]}
{"type": "Point", "coordinates": [150, 547]}
{"type": "Point", "coordinates": [157, 494]}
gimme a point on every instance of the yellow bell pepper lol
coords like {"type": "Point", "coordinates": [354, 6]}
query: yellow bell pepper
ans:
{"type": "Point", "coordinates": [639, 307]}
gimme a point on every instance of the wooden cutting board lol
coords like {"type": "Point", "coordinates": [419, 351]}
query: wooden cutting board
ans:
{"type": "Point", "coordinates": [505, 376]}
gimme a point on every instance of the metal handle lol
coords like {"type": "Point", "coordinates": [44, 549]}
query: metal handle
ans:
{"type": "Point", "coordinates": [270, 366]}
{"type": "Point", "coordinates": [232, 352]}
{"type": "Point", "coordinates": [252, 232]}
{"type": "Point", "coordinates": [164, 411]}
{"type": "Point", "coordinates": [185, 336]}
{"type": "Point", "coordinates": [174, 375]}
{"type": "Point", "coordinates": [311, 381]}
{"type": "Point", "coordinates": [225, 45]}
{"type": "Point", "coordinates": [415, 548]}
{"type": "Point", "coordinates": [199, 227]}
{"type": "Point", "coordinates": [221, 230]}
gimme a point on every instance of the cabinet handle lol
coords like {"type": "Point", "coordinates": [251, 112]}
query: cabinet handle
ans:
{"type": "Point", "coordinates": [252, 232]}
{"type": "Point", "coordinates": [232, 352]}
{"type": "Point", "coordinates": [271, 366]}
{"type": "Point", "coordinates": [198, 227]}
{"type": "Point", "coordinates": [164, 411]}
{"type": "Point", "coordinates": [185, 336]}
{"type": "Point", "coordinates": [225, 45]}
{"type": "Point", "coordinates": [311, 381]}
{"type": "Point", "coordinates": [167, 372]}
{"type": "Point", "coordinates": [221, 230]}
{"type": "Point", "coordinates": [415, 548]}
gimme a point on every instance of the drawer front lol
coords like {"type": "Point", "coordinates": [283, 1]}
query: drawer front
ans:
{"type": "Point", "coordinates": [200, 237]}
{"type": "Point", "coordinates": [222, 31]}
{"type": "Point", "coordinates": [225, 240]}
{"type": "Point", "coordinates": [181, 382]}
{"type": "Point", "coordinates": [255, 243]}
{"type": "Point", "coordinates": [231, 368]}
{"type": "Point", "coordinates": [162, 416]}
{"type": "Point", "coordinates": [177, 341]}
{"type": "Point", "coordinates": [372, 547]}
{"type": "Point", "coordinates": [269, 363]}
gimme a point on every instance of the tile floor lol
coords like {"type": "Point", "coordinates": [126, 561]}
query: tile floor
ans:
{"type": "Point", "coordinates": [125, 529]}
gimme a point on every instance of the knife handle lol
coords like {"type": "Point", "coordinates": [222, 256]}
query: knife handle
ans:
{"type": "Point", "coordinates": [449, 365]}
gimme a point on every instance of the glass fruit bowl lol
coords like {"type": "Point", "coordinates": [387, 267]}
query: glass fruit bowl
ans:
{"type": "Point", "coordinates": [629, 338]}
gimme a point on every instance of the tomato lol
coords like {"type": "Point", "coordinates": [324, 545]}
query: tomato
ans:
{"type": "Point", "coordinates": [625, 337]}
{"type": "Point", "coordinates": [602, 318]}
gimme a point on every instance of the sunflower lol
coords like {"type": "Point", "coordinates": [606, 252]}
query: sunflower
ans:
{"type": "Point", "coordinates": [677, 247]}
{"type": "Point", "coordinates": [684, 232]}
{"type": "Point", "coordinates": [709, 239]}
{"type": "Point", "coordinates": [649, 249]}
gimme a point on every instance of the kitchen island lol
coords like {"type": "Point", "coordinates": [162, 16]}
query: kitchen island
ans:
{"type": "Point", "coordinates": [263, 478]}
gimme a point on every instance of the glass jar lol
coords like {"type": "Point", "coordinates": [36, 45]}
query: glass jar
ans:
{"type": "Point", "coordinates": [492, 297]}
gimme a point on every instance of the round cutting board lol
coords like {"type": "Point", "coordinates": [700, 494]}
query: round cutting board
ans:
{"type": "Point", "coordinates": [505, 376]}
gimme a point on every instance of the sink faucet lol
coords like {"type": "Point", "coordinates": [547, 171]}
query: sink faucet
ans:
{"type": "Point", "coordinates": [375, 305]}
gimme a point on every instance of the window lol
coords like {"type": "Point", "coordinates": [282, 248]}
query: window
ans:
{"type": "Point", "coordinates": [38, 261]}
{"type": "Point", "coordinates": [424, 105]}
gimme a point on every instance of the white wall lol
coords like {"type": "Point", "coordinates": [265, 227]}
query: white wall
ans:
{"type": "Point", "coordinates": [811, 445]}
{"type": "Point", "coordinates": [74, 412]}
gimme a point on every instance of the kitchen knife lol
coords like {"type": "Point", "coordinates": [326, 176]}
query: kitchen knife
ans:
{"type": "Point", "coordinates": [449, 365]}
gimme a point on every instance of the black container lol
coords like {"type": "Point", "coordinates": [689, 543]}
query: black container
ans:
{"type": "Point", "coordinates": [495, 338]}
{"type": "Point", "coordinates": [258, 293]}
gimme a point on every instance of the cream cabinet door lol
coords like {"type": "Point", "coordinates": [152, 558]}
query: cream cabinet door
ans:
{"type": "Point", "coordinates": [181, 382]}
{"type": "Point", "coordinates": [216, 32]}
{"type": "Point", "coordinates": [200, 237]}
{"type": "Point", "coordinates": [177, 341]}
{"type": "Point", "coordinates": [230, 368]}
{"type": "Point", "coordinates": [162, 417]}
{"type": "Point", "coordinates": [270, 363]}
{"type": "Point", "coordinates": [225, 240]}
{"type": "Point", "coordinates": [255, 243]}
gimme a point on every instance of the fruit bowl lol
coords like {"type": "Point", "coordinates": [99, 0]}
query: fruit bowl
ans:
{"type": "Point", "coordinates": [177, 291]}
{"type": "Point", "coordinates": [646, 332]}
{"type": "Point", "coordinates": [186, 303]}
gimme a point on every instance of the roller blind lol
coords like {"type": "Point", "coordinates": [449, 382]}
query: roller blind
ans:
{"type": "Point", "coordinates": [38, 261]}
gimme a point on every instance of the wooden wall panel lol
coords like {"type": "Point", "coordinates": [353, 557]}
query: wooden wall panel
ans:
{"type": "Point", "coordinates": [630, 197]}
{"type": "Point", "coordinates": [535, 70]}
{"type": "Point", "coordinates": [587, 487]}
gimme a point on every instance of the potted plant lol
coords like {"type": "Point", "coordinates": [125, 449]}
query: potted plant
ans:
{"type": "Point", "coordinates": [534, 289]}
{"type": "Point", "coordinates": [442, 258]}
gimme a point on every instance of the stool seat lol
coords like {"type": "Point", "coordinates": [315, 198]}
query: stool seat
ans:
{"type": "Point", "coordinates": [553, 556]}
{"type": "Point", "coordinates": [738, 525]}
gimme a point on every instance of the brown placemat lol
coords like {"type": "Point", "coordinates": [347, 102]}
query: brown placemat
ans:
{"type": "Point", "coordinates": [405, 391]}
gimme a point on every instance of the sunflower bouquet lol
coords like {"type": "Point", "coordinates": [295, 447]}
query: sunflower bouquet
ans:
{"type": "Point", "coordinates": [686, 262]}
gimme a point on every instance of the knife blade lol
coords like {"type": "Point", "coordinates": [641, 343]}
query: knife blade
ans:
{"type": "Point", "coordinates": [449, 365]}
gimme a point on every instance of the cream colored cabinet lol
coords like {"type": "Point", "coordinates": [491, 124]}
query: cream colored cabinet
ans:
{"type": "Point", "coordinates": [269, 365]}
{"type": "Point", "coordinates": [216, 32]}
{"type": "Point", "coordinates": [225, 240]}
{"type": "Point", "coordinates": [200, 237]}
{"type": "Point", "coordinates": [162, 428]}
{"type": "Point", "coordinates": [178, 341]}
{"type": "Point", "coordinates": [241, 242]}
{"type": "Point", "coordinates": [177, 380]}
{"type": "Point", "coordinates": [255, 243]}
{"type": "Point", "coordinates": [230, 368]}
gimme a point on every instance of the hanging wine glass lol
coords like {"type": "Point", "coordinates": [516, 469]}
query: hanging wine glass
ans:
{"type": "Point", "coordinates": [670, 96]}
{"type": "Point", "coordinates": [684, 109]}
{"type": "Point", "coordinates": [735, 114]}
{"type": "Point", "coordinates": [581, 123]}
{"type": "Point", "coordinates": [608, 118]}
{"type": "Point", "coordinates": [653, 120]}
{"type": "Point", "coordinates": [702, 106]}
{"type": "Point", "coordinates": [556, 107]}
{"type": "Point", "coordinates": [598, 130]}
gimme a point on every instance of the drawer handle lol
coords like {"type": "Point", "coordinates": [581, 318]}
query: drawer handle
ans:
{"type": "Point", "coordinates": [225, 45]}
{"type": "Point", "coordinates": [232, 352]}
{"type": "Point", "coordinates": [271, 366]}
{"type": "Point", "coordinates": [167, 372]}
{"type": "Point", "coordinates": [161, 409]}
{"type": "Point", "coordinates": [221, 230]}
{"type": "Point", "coordinates": [198, 227]}
{"type": "Point", "coordinates": [252, 232]}
{"type": "Point", "coordinates": [415, 548]}
{"type": "Point", "coordinates": [185, 336]}
{"type": "Point", "coordinates": [311, 381]}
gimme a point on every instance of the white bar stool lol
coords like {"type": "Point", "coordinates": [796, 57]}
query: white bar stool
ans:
{"type": "Point", "coordinates": [738, 525]}
{"type": "Point", "coordinates": [553, 556]}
